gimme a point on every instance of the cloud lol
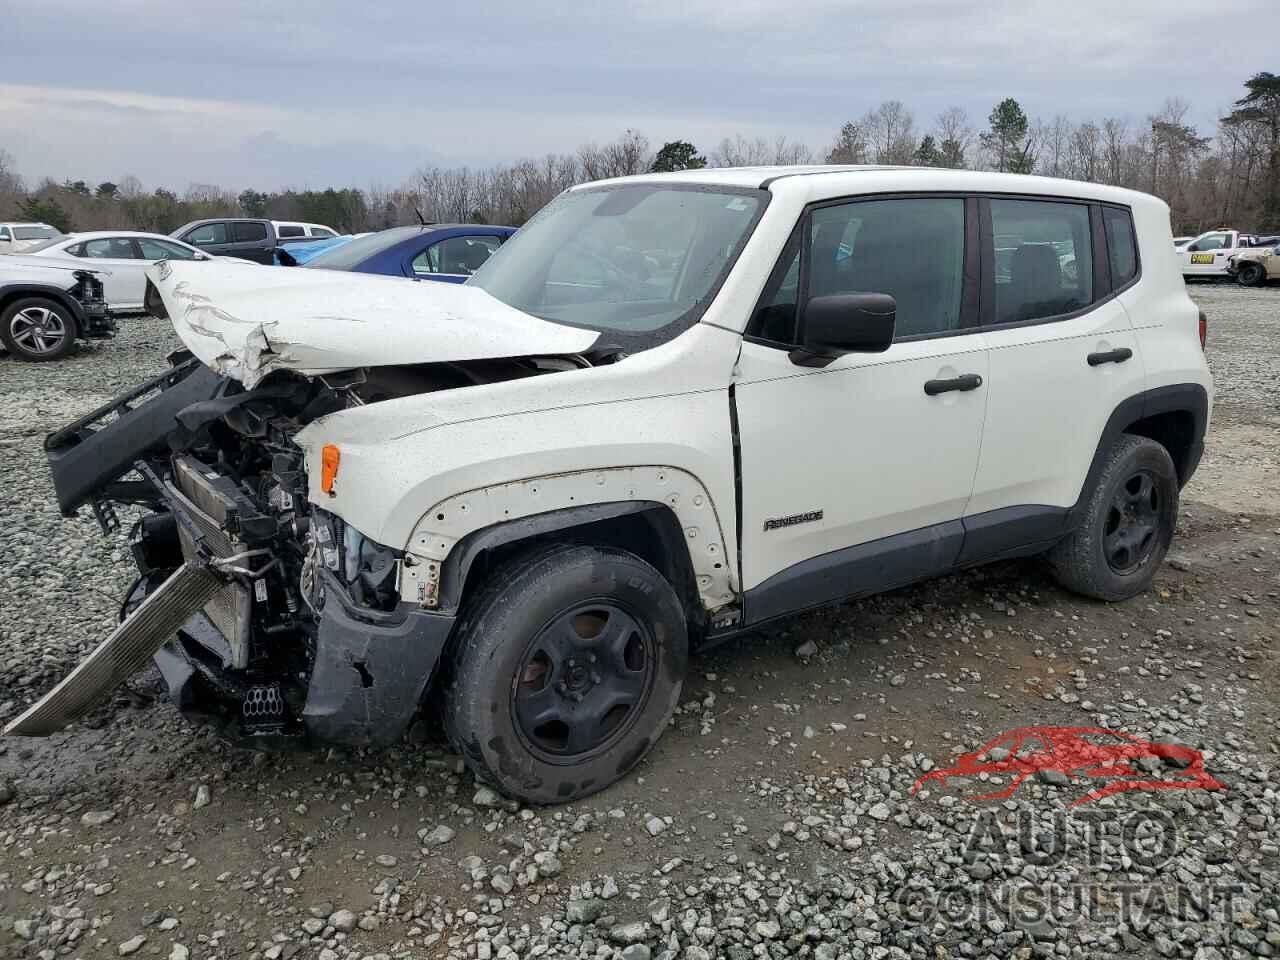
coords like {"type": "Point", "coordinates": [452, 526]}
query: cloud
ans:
{"type": "Point", "coordinates": [255, 94]}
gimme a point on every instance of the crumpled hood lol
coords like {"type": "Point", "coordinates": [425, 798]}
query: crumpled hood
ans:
{"type": "Point", "coordinates": [246, 321]}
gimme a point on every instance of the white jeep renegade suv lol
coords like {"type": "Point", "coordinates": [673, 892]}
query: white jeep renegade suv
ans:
{"type": "Point", "coordinates": [670, 408]}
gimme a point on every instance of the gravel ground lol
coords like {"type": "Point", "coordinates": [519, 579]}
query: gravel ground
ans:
{"type": "Point", "coordinates": [775, 819]}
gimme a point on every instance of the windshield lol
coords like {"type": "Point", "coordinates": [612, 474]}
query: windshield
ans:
{"type": "Point", "coordinates": [640, 260]}
{"type": "Point", "coordinates": [34, 233]}
{"type": "Point", "coordinates": [347, 255]}
{"type": "Point", "coordinates": [43, 244]}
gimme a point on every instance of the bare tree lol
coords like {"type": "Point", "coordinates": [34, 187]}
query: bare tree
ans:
{"type": "Point", "coordinates": [891, 132]}
{"type": "Point", "coordinates": [1055, 140]}
{"type": "Point", "coordinates": [1086, 151]}
{"type": "Point", "coordinates": [628, 155]}
{"type": "Point", "coordinates": [954, 135]}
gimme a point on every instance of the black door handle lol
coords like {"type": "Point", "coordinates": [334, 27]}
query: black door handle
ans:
{"type": "Point", "coordinates": [1118, 355]}
{"type": "Point", "coordinates": [965, 382]}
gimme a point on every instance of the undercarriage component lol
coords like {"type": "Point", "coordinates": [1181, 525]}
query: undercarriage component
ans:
{"type": "Point", "coordinates": [121, 655]}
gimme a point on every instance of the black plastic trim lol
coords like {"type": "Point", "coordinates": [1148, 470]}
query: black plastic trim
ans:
{"type": "Point", "coordinates": [453, 576]}
{"type": "Point", "coordinates": [368, 680]}
{"type": "Point", "coordinates": [1191, 398]}
{"type": "Point", "coordinates": [1011, 531]}
{"type": "Point", "coordinates": [856, 571]}
{"type": "Point", "coordinates": [1101, 261]}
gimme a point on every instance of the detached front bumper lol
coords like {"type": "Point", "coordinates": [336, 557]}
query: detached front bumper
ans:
{"type": "Point", "coordinates": [364, 687]}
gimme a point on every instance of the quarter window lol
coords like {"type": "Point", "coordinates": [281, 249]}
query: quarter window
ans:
{"type": "Point", "coordinates": [322, 232]}
{"type": "Point", "coordinates": [1043, 259]}
{"type": "Point", "coordinates": [1121, 251]}
{"type": "Point", "coordinates": [247, 231]}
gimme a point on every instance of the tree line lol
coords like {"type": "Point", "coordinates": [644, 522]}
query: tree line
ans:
{"type": "Point", "coordinates": [1229, 177]}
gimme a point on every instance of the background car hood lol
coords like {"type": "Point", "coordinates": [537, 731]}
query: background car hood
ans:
{"type": "Point", "coordinates": [245, 321]}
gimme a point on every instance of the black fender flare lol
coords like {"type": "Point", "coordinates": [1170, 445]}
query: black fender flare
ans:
{"type": "Point", "coordinates": [610, 524]}
{"type": "Point", "coordinates": [1189, 398]}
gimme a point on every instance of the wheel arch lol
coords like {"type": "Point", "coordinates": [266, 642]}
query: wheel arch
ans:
{"type": "Point", "coordinates": [647, 529]}
{"type": "Point", "coordinates": [1176, 416]}
{"type": "Point", "coordinates": [11, 294]}
{"type": "Point", "coordinates": [662, 514]}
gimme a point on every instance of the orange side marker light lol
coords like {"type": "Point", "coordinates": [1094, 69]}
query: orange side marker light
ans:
{"type": "Point", "coordinates": [328, 467]}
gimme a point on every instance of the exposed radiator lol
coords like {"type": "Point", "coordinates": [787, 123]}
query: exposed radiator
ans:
{"type": "Point", "coordinates": [122, 654]}
{"type": "Point", "coordinates": [229, 609]}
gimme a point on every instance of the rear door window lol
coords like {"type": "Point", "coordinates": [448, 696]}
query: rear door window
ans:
{"type": "Point", "coordinates": [109, 248]}
{"type": "Point", "coordinates": [1043, 259]}
{"type": "Point", "coordinates": [247, 231]}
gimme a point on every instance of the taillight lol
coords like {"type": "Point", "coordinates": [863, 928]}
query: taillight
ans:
{"type": "Point", "coordinates": [1204, 328]}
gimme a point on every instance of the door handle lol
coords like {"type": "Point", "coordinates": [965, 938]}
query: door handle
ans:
{"type": "Point", "coordinates": [1119, 355]}
{"type": "Point", "coordinates": [964, 383]}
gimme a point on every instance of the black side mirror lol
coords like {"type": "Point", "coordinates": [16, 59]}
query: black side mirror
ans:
{"type": "Point", "coordinates": [845, 323]}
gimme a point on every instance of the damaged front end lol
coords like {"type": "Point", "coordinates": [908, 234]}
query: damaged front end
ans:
{"type": "Point", "coordinates": [265, 614]}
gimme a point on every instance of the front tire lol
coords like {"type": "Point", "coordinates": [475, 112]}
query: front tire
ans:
{"type": "Point", "coordinates": [1250, 274]}
{"type": "Point", "coordinates": [1127, 525]}
{"type": "Point", "coordinates": [37, 329]}
{"type": "Point", "coordinates": [566, 669]}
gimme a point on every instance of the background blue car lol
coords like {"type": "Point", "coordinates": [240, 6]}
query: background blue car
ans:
{"type": "Point", "coordinates": [449, 252]}
{"type": "Point", "coordinates": [296, 254]}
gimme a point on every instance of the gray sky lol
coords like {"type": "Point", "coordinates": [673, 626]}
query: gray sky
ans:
{"type": "Point", "coordinates": [317, 92]}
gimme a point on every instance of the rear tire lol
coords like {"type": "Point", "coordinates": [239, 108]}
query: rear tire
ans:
{"type": "Point", "coordinates": [1127, 525]}
{"type": "Point", "coordinates": [1250, 274]}
{"type": "Point", "coordinates": [565, 670]}
{"type": "Point", "coordinates": [37, 329]}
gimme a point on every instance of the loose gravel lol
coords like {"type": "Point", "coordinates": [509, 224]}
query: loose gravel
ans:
{"type": "Point", "coordinates": [776, 818]}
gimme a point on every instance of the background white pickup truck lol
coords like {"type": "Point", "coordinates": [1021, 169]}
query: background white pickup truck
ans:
{"type": "Point", "coordinates": [1207, 254]}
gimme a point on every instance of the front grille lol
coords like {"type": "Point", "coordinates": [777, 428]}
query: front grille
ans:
{"type": "Point", "coordinates": [230, 608]}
